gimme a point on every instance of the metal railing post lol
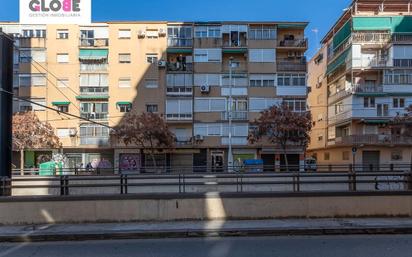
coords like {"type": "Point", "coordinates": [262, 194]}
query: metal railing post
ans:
{"type": "Point", "coordinates": [121, 184]}
{"type": "Point", "coordinates": [184, 183]}
{"type": "Point", "coordinates": [62, 185]}
{"type": "Point", "coordinates": [350, 182]}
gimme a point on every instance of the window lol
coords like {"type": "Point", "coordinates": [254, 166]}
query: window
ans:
{"type": "Point", "coordinates": [398, 102]}
{"type": "Point", "coordinates": [261, 104]}
{"type": "Point", "coordinates": [62, 34]}
{"type": "Point", "coordinates": [63, 132]}
{"type": "Point", "coordinates": [125, 107]}
{"type": "Point", "coordinates": [125, 82]}
{"type": "Point", "coordinates": [151, 83]}
{"type": "Point", "coordinates": [151, 58]}
{"type": "Point", "coordinates": [220, 129]}
{"type": "Point", "coordinates": [296, 105]}
{"type": "Point", "coordinates": [210, 104]}
{"type": "Point", "coordinates": [339, 108]}
{"type": "Point", "coordinates": [94, 110]}
{"type": "Point", "coordinates": [326, 156]}
{"type": "Point", "coordinates": [179, 109]}
{"type": "Point", "coordinates": [94, 80]}
{"type": "Point", "coordinates": [152, 33]}
{"type": "Point", "coordinates": [36, 33]}
{"type": "Point", "coordinates": [369, 102]}
{"type": "Point", "coordinates": [262, 80]}
{"type": "Point", "coordinates": [208, 32]}
{"type": "Point", "coordinates": [291, 79]}
{"type": "Point", "coordinates": [345, 156]}
{"type": "Point", "coordinates": [262, 33]}
{"type": "Point", "coordinates": [32, 55]}
{"type": "Point", "coordinates": [35, 80]}
{"type": "Point", "coordinates": [26, 106]}
{"type": "Point", "coordinates": [262, 55]}
{"type": "Point", "coordinates": [63, 82]}
{"type": "Point", "coordinates": [124, 33]}
{"type": "Point", "coordinates": [207, 79]}
{"type": "Point", "coordinates": [124, 58]}
{"type": "Point", "coordinates": [152, 108]}
{"type": "Point", "coordinates": [396, 155]}
{"type": "Point", "coordinates": [63, 108]}
{"type": "Point", "coordinates": [179, 80]}
{"type": "Point", "coordinates": [62, 58]}
{"type": "Point", "coordinates": [208, 55]}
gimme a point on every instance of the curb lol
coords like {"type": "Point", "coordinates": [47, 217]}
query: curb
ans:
{"type": "Point", "coordinates": [254, 232]}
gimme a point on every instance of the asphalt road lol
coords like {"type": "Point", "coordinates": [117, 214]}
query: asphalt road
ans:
{"type": "Point", "coordinates": [321, 246]}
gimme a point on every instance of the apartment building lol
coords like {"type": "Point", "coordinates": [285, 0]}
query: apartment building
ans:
{"type": "Point", "coordinates": [179, 70]}
{"type": "Point", "coordinates": [361, 79]}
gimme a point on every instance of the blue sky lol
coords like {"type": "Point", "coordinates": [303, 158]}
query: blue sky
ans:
{"type": "Point", "coordinates": [320, 13]}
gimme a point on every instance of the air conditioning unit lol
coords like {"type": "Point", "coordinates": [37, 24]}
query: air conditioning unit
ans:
{"type": "Point", "coordinates": [141, 34]}
{"type": "Point", "coordinates": [205, 89]}
{"type": "Point", "coordinates": [199, 138]}
{"type": "Point", "coordinates": [161, 64]}
{"type": "Point", "coordinates": [73, 132]}
{"type": "Point", "coordinates": [162, 32]}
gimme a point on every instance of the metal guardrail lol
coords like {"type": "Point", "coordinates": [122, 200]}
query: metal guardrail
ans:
{"type": "Point", "coordinates": [346, 178]}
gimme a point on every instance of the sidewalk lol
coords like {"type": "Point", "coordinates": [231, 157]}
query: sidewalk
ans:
{"type": "Point", "coordinates": [205, 229]}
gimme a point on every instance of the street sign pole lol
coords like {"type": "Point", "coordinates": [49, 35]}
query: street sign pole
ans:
{"type": "Point", "coordinates": [6, 106]}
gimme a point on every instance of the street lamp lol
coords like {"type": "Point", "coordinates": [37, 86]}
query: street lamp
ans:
{"type": "Point", "coordinates": [230, 154]}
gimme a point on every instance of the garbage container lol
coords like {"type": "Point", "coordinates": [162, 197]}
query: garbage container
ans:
{"type": "Point", "coordinates": [49, 169]}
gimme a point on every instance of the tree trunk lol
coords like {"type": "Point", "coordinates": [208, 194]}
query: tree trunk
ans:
{"type": "Point", "coordinates": [154, 161]}
{"type": "Point", "coordinates": [22, 162]}
{"type": "Point", "coordinates": [286, 160]}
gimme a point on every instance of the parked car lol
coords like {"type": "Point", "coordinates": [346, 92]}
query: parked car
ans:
{"type": "Point", "coordinates": [311, 165]}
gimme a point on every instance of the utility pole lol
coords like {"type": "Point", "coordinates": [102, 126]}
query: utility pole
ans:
{"type": "Point", "coordinates": [230, 154]}
{"type": "Point", "coordinates": [6, 107]}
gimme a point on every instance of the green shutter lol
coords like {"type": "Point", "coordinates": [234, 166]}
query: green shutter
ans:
{"type": "Point", "coordinates": [372, 23]}
{"type": "Point", "coordinates": [342, 35]}
{"type": "Point", "coordinates": [338, 61]}
{"type": "Point", "coordinates": [93, 54]}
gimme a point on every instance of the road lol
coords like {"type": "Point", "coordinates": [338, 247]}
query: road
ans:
{"type": "Point", "coordinates": [321, 246]}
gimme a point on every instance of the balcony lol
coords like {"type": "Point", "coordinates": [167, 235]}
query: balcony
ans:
{"type": "Point", "coordinates": [339, 117]}
{"type": "Point", "coordinates": [179, 91]}
{"type": "Point", "coordinates": [94, 42]}
{"type": "Point", "coordinates": [94, 116]}
{"type": "Point", "coordinates": [180, 42]}
{"type": "Point", "coordinates": [339, 95]}
{"type": "Point", "coordinates": [94, 90]}
{"type": "Point", "coordinates": [293, 43]}
{"type": "Point", "coordinates": [93, 67]}
{"type": "Point", "coordinates": [373, 140]}
{"type": "Point", "coordinates": [371, 38]}
{"type": "Point", "coordinates": [32, 42]}
{"type": "Point", "coordinates": [179, 116]}
{"type": "Point", "coordinates": [365, 89]}
{"type": "Point", "coordinates": [235, 43]}
{"type": "Point", "coordinates": [402, 38]}
{"type": "Point", "coordinates": [237, 66]}
{"type": "Point", "coordinates": [183, 140]}
{"type": "Point", "coordinates": [235, 141]}
{"type": "Point", "coordinates": [288, 65]}
{"type": "Point", "coordinates": [236, 115]}
{"type": "Point", "coordinates": [368, 63]}
{"type": "Point", "coordinates": [94, 140]}
{"type": "Point", "coordinates": [179, 67]}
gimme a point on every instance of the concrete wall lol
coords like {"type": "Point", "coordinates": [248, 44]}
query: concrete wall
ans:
{"type": "Point", "coordinates": [210, 206]}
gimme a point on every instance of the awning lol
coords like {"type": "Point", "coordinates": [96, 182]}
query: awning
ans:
{"type": "Point", "coordinates": [376, 121]}
{"type": "Point", "coordinates": [235, 51]}
{"type": "Point", "coordinates": [292, 25]}
{"type": "Point", "coordinates": [179, 51]}
{"type": "Point", "coordinates": [93, 54]}
{"type": "Point", "coordinates": [124, 103]}
{"type": "Point", "coordinates": [342, 35]}
{"type": "Point", "coordinates": [60, 103]}
{"type": "Point", "coordinates": [338, 61]}
{"type": "Point", "coordinates": [92, 97]}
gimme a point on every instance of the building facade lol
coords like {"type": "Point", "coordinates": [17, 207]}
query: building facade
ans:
{"type": "Point", "coordinates": [361, 81]}
{"type": "Point", "coordinates": [179, 70]}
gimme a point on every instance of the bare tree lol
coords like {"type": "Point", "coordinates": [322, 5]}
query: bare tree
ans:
{"type": "Point", "coordinates": [403, 123]}
{"type": "Point", "coordinates": [30, 133]}
{"type": "Point", "coordinates": [147, 130]}
{"type": "Point", "coordinates": [283, 127]}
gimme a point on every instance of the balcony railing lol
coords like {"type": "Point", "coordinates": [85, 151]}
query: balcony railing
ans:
{"type": "Point", "coordinates": [298, 43]}
{"type": "Point", "coordinates": [235, 43]}
{"type": "Point", "coordinates": [235, 141]}
{"type": "Point", "coordinates": [373, 140]}
{"type": "Point", "coordinates": [179, 91]}
{"type": "Point", "coordinates": [179, 116]}
{"type": "Point", "coordinates": [87, 140]}
{"type": "Point", "coordinates": [93, 67]}
{"type": "Point", "coordinates": [179, 42]}
{"type": "Point", "coordinates": [339, 95]}
{"type": "Point", "coordinates": [94, 116]}
{"type": "Point", "coordinates": [94, 90]}
{"type": "Point", "coordinates": [292, 65]}
{"type": "Point", "coordinates": [339, 117]}
{"type": "Point", "coordinates": [236, 115]}
{"type": "Point", "coordinates": [371, 38]}
{"type": "Point", "coordinates": [363, 62]}
{"type": "Point", "coordinates": [237, 67]}
{"type": "Point", "coordinates": [179, 67]}
{"type": "Point", "coordinates": [183, 140]}
{"type": "Point", "coordinates": [94, 42]}
{"type": "Point", "coordinates": [362, 88]}
{"type": "Point", "coordinates": [402, 37]}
